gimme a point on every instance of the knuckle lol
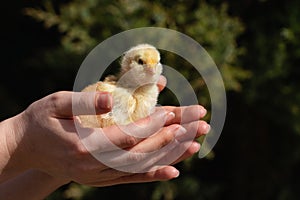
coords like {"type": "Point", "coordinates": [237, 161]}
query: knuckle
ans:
{"type": "Point", "coordinates": [54, 100]}
{"type": "Point", "coordinates": [129, 141]}
{"type": "Point", "coordinates": [166, 137]}
{"type": "Point", "coordinates": [55, 96]}
{"type": "Point", "coordinates": [79, 152]}
{"type": "Point", "coordinates": [135, 156]}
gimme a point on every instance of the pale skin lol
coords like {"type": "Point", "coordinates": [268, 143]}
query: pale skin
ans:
{"type": "Point", "coordinates": [41, 150]}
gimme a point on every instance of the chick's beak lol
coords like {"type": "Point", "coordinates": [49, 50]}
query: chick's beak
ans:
{"type": "Point", "coordinates": [151, 65]}
{"type": "Point", "coordinates": [151, 68]}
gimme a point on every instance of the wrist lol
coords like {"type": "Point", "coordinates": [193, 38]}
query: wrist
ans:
{"type": "Point", "coordinates": [14, 153]}
{"type": "Point", "coordinates": [32, 184]}
{"type": "Point", "coordinates": [54, 182]}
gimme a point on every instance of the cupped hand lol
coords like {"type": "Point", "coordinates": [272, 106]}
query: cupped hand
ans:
{"type": "Point", "coordinates": [56, 148]}
{"type": "Point", "coordinates": [56, 144]}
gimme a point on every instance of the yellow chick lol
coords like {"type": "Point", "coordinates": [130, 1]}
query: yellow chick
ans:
{"type": "Point", "coordinates": [134, 89]}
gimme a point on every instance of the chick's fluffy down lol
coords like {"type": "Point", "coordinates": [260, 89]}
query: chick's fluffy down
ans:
{"type": "Point", "coordinates": [134, 91]}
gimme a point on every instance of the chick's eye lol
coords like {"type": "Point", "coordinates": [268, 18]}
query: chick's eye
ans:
{"type": "Point", "coordinates": [140, 61]}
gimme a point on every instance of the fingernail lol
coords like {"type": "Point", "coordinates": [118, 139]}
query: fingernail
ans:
{"type": "Point", "coordinates": [207, 128]}
{"type": "Point", "coordinates": [104, 101]}
{"type": "Point", "coordinates": [196, 147]}
{"type": "Point", "coordinates": [170, 116]}
{"type": "Point", "coordinates": [203, 112]}
{"type": "Point", "coordinates": [175, 173]}
{"type": "Point", "coordinates": [179, 131]}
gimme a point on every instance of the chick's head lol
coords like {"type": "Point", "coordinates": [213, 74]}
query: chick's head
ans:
{"type": "Point", "coordinates": [142, 63]}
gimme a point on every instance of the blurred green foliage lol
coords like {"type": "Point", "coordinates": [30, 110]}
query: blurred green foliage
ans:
{"type": "Point", "coordinates": [255, 45]}
{"type": "Point", "coordinates": [85, 23]}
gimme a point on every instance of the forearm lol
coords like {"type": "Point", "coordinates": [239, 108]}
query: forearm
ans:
{"type": "Point", "coordinates": [31, 185]}
{"type": "Point", "coordinates": [13, 150]}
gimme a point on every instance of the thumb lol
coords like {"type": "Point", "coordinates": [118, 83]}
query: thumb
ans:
{"type": "Point", "coordinates": [103, 102]}
{"type": "Point", "coordinates": [67, 104]}
{"type": "Point", "coordinates": [91, 103]}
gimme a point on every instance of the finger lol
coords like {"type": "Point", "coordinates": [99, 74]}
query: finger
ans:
{"type": "Point", "coordinates": [160, 139]}
{"type": "Point", "coordinates": [184, 114]}
{"type": "Point", "coordinates": [161, 174]}
{"type": "Point", "coordinates": [194, 130]}
{"type": "Point", "coordinates": [187, 145]}
{"type": "Point", "coordinates": [162, 82]}
{"type": "Point", "coordinates": [120, 137]}
{"type": "Point", "coordinates": [182, 151]}
{"type": "Point", "coordinates": [191, 147]}
{"type": "Point", "coordinates": [131, 134]}
{"type": "Point", "coordinates": [141, 157]}
{"type": "Point", "coordinates": [136, 162]}
{"type": "Point", "coordinates": [171, 156]}
{"type": "Point", "coordinates": [190, 151]}
{"type": "Point", "coordinates": [67, 104]}
{"type": "Point", "coordinates": [201, 128]}
{"type": "Point", "coordinates": [85, 103]}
